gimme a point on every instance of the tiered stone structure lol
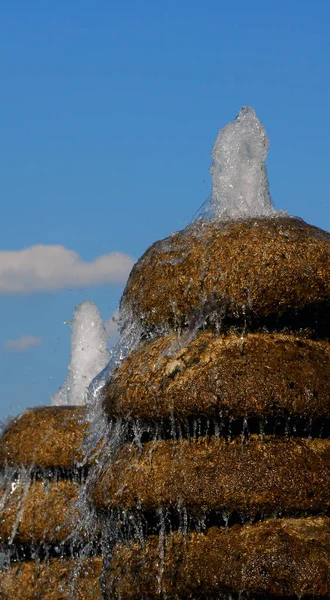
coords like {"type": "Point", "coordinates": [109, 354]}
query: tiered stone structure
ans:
{"type": "Point", "coordinates": [224, 470]}
{"type": "Point", "coordinates": [218, 481]}
{"type": "Point", "coordinates": [38, 507]}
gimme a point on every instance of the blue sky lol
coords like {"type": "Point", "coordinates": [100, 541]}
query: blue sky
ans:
{"type": "Point", "coordinates": [109, 111]}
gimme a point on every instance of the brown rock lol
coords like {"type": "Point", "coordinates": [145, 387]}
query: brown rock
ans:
{"type": "Point", "coordinates": [284, 557]}
{"type": "Point", "coordinates": [53, 580]}
{"type": "Point", "coordinates": [36, 512]}
{"type": "Point", "coordinates": [228, 376]}
{"type": "Point", "coordinates": [272, 271]}
{"type": "Point", "coordinates": [273, 475]}
{"type": "Point", "coordinates": [46, 436]}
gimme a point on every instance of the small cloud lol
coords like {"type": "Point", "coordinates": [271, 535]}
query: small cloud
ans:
{"type": "Point", "coordinates": [23, 343]}
{"type": "Point", "coordinates": [46, 268]}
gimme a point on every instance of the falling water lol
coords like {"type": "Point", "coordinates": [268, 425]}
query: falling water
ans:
{"type": "Point", "coordinates": [240, 190]}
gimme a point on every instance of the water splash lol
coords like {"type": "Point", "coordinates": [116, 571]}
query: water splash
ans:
{"type": "Point", "coordinates": [240, 185]}
{"type": "Point", "coordinates": [130, 337]}
{"type": "Point", "coordinates": [89, 354]}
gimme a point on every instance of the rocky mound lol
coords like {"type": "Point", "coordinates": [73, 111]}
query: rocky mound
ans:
{"type": "Point", "coordinates": [218, 482]}
{"type": "Point", "coordinates": [195, 436]}
{"type": "Point", "coordinates": [269, 271]}
{"type": "Point", "coordinates": [39, 518]}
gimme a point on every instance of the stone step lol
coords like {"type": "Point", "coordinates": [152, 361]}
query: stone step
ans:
{"type": "Point", "coordinates": [283, 557]}
{"type": "Point", "coordinates": [232, 376]}
{"type": "Point", "coordinates": [263, 271]}
{"type": "Point", "coordinates": [251, 476]}
{"type": "Point", "coordinates": [55, 580]}
{"type": "Point", "coordinates": [45, 436]}
{"type": "Point", "coordinates": [38, 512]}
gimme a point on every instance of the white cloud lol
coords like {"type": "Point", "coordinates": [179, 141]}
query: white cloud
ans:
{"type": "Point", "coordinates": [45, 268]}
{"type": "Point", "coordinates": [23, 343]}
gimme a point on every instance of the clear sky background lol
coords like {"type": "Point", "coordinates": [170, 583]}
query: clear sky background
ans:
{"type": "Point", "coordinates": [109, 111]}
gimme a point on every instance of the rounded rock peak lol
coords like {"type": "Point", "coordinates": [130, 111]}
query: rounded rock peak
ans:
{"type": "Point", "coordinates": [271, 272]}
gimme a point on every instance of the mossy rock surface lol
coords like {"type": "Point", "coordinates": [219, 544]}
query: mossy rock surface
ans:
{"type": "Point", "coordinates": [38, 512]}
{"type": "Point", "coordinates": [273, 271]}
{"type": "Point", "coordinates": [283, 557]}
{"type": "Point", "coordinates": [45, 436]}
{"type": "Point", "coordinates": [53, 580]}
{"type": "Point", "coordinates": [230, 376]}
{"type": "Point", "coordinates": [253, 476]}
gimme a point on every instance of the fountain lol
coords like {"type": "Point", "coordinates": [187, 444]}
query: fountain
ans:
{"type": "Point", "coordinates": [206, 469]}
{"type": "Point", "coordinates": [44, 469]}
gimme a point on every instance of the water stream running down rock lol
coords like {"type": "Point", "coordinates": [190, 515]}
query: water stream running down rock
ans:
{"type": "Point", "coordinates": [200, 465]}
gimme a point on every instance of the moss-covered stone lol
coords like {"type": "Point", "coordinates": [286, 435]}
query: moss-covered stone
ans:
{"type": "Point", "coordinates": [269, 271]}
{"type": "Point", "coordinates": [53, 580]}
{"type": "Point", "coordinates": [45, 436]}
{"type": "Point", "coordinates": [284, 557]}
{"type": "Point", "coordinates": [251, 376]}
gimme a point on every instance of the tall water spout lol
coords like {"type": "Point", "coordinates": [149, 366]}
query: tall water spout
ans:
{"type": "Point", "coordinates": [239, 178]}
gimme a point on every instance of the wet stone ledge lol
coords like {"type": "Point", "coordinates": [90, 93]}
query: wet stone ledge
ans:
{"type": "Point", "coordinates": [251, 376]}
{"type": "Point", "coordinates": [250, 476]}
{"type": "Point", "coordinates": [261, 269]}
{"type": "Point", "coordinates": [47, 437]}
{"type": "Point", "coordinates": [284, 557]}
{"type": "Point", "coordinates": [55, 579]}
{"type": "Point", "coordinates": [38, 512]}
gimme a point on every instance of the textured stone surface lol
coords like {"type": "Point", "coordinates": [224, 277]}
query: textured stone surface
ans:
{"type": "Point", "coordinates": [53, 580]}
{"type": "Point", "coordinates": [46, 436]}
{"type": "Point", "coordinates": [268, 270]}
{"type": "Point", "coordinates": [256, 476]}
{"type": "Point", "coordinates": [38, 512]}
{"type": "Point", "coordinates": [284, 557]}
{"type": "Point", "coordinates": [259, 275]}
{"type": "Point", "coordinates": [258, 375]}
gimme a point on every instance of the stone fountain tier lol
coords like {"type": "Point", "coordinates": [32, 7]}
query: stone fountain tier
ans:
{"type": "Point", "coordinates": [40, 512]}
{"type": "Point", "coordinates": [249, 304]}
{"type": "Point", "coordinates": [272, 272]}
{"type": "Point", "coordinates": [182, 473]}
{"type": "Point", "coordinates": [252, 477]}
{"type": "Point", "coordinates": [175, 403]}
{"type": "Point", "coordinates": [282, 557]}
{"type": "Point", "coordinates": [46, 437]}
{"type": "Point", "coordinates": [39, 452]}
{"type": "Point", "coordinates": [255, 376]}
{"type": "Point", "coordinates": [54, 580]}
{"type": "Point", "coordinates": [40, 456]}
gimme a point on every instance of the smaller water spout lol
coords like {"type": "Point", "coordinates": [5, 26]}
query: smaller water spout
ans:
{"type": "Point", "coordinates": [89, 354]}
{"type": "Point", "coordinates": [239, 178]}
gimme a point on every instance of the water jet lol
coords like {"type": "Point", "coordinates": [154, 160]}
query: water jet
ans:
{"type": "Point", "coordinates": [202, 457]}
